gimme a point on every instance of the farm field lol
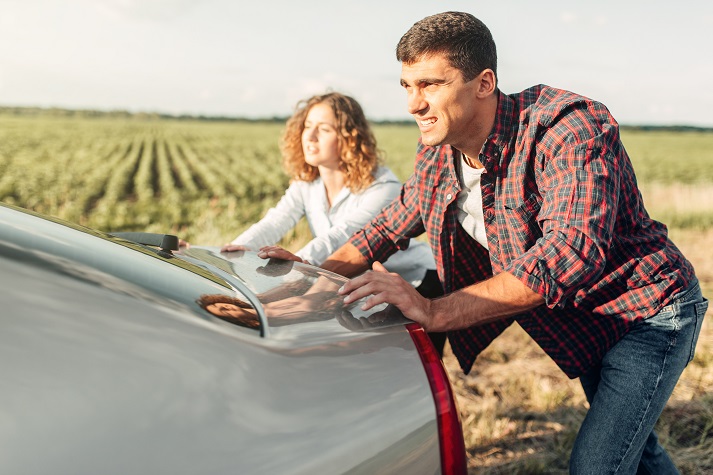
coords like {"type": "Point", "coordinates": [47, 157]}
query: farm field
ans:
{"type": "Point", "coordinates": [207, 181]}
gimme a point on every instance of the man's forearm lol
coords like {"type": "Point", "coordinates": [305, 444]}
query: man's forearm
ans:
{"type": "Point", "coordinates": [346, 261]}
{"type": "Point", "coordinates": [499, 297]}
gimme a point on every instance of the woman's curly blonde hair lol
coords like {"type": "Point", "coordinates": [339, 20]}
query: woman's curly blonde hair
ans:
{"type": "Point", "coordinates": [357, 144]}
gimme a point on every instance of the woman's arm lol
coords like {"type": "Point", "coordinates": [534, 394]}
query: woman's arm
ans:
{"type": "Point", "coordinates": [356, 212]}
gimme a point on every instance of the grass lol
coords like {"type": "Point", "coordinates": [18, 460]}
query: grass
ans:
{"type": "Point", "coordinates": [680, 205]}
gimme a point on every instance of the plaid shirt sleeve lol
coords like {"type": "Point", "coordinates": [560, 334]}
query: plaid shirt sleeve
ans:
{"type": "Point", "coordinates": [391, 229]}
{"type": "Point", "coordinates": [577, 177]}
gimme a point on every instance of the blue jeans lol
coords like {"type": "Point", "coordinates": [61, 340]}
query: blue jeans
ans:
{"type": "Point", "coordinates": [629, 389]}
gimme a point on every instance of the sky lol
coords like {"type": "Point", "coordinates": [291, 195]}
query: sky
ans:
{"type": "Point", "coordinates": [650, 62]}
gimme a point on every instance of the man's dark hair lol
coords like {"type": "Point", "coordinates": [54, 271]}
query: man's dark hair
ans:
{"type": "Point", "coordinates": [463, 39]}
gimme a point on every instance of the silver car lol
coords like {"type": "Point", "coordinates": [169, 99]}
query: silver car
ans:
{"type": "Point", "coordinates": [120, 354]}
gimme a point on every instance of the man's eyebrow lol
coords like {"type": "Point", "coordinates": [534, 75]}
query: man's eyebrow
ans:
{"type": "Point", "coordinates": [425, 81]}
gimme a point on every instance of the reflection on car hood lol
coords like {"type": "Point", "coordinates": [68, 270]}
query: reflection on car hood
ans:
{"type": "Point", "coordinates": [299, 300]}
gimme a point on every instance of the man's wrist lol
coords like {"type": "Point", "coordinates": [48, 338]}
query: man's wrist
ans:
{"type": "Point", "coordinates": [436, 316]}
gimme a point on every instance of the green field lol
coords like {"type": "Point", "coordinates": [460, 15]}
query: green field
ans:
{"type": "Point", "coordinates": [208, 180]}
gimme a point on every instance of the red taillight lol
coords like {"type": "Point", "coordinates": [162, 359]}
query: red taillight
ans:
{"type": "Point", "coordinates": [450, 431]}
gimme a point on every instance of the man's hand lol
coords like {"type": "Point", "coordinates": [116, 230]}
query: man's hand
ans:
{"type": "Point", "coordinates": [388, 287]}
{"type": "Point", "coordinates": [501, 296]}
{"type": "Point", "coordinates": [276, 252]}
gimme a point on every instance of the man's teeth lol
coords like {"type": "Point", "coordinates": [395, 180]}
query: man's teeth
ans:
{"type": "Point", "coordinates": [428, 121]}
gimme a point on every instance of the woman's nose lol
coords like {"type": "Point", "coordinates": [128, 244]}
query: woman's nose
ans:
{"type": "Point", "coordinates": [310, 134]}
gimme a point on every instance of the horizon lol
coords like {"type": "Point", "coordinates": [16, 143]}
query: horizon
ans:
{"type": "Point", "coordinates": [156, 115]}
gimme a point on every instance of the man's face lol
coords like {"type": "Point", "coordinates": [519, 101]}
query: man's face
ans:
{"type": "Point", "coordinates": [442, 103]}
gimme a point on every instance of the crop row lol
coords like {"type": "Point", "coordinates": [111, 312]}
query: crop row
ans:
{"type": "Point", "coordinates": [123, 176]}
{"type": "Point", "coordinates": [208, 181]}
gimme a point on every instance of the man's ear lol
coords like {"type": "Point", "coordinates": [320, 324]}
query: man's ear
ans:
{"type": "Point", "coordinates": [487, 83]}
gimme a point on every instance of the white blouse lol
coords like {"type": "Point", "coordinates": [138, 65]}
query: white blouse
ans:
{"type": "Point", "coordinates": [332, 227]}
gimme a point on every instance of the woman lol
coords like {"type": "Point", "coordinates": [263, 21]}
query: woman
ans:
{"type": "Point", "coordinates": [330, 153]}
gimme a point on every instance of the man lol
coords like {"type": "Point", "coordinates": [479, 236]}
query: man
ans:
{"type": "Point", "coordinates": [531, 208]}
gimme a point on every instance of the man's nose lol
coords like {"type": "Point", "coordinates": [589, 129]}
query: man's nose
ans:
{"type": "Point", "coordinates": [416, 101]}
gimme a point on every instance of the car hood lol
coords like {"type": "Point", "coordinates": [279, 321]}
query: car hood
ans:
{"type": "Point", "coordinates": [297, 304]}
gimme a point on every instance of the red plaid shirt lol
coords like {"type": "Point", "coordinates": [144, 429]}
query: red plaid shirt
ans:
{"type": "Point", "coordinates": [563, 214]}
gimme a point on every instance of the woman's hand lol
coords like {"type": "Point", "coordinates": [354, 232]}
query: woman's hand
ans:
{"type": "Point", "coordinates": [233, 248]}
{"type": "Point", "coordinates": [270, 252]}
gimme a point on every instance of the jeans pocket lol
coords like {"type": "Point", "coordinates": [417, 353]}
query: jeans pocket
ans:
{"type": "Point", "coordinates": [700, 312]}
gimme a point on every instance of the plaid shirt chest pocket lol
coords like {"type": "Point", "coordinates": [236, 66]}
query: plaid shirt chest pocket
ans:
{"type": "Point", "coordinates": [517, 226]}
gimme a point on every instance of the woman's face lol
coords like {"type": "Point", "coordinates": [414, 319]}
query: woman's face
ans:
{"type": "Point", "coordinates": [320, 138]}
{"type": "Point", "coordinates": [222, 309]}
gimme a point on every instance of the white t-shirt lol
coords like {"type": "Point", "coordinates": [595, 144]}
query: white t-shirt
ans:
{"type": "Point", "coordinates": [470, 202]}
{"type": "Point", "coordinates": [332, 226]}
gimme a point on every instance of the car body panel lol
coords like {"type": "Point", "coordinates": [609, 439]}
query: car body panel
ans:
{"type": "Point", "coordinates": [108, 366]}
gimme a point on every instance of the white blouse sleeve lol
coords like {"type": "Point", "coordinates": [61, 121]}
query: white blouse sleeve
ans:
{"type": "Point", "coordinates": [277, 221]}
{"type": "Point", "coordinates": [355, 213]}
